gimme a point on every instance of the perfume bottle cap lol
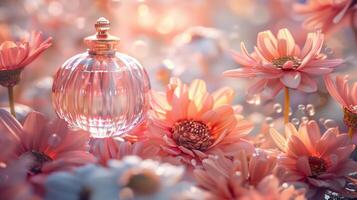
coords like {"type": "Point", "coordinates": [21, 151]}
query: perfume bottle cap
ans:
{"type": "Point", "coordinates": [102, 42]}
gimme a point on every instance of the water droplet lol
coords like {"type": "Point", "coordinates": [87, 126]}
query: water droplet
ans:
{"type": "Point", "coordinates": [54, 140]}
{"type": "Point", "coordinates": [278, 108]}
{"type": "Point", "coordinates": [304, 119]}
{"type": "Point", "coordinates": [290, 111]}
{"type": "Point", "coordinates": [322, 120]}
{"type": "Point", "coordinates": [301, 107]}
{"type": "Point", "coordinates": [329, 50]}
{"type": "Point", "coordinates": [269, 121]}
{"type": "Point", "coordinates": [295, 121]}
{"type": "Point", "coordinates": [255, 99]}
{"type": "Point", "coordinates": [330, 123]}
{"type": "Point", "coordinates": [310, 109]}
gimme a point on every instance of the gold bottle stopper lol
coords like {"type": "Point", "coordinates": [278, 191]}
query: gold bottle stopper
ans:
{"type": "Point", "coordinates": [102, 42]}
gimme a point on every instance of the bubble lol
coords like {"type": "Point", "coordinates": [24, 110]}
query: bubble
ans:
{"type": "Point", "coordinates": [255, 100]}
{"type": "Point", "coordinates": [295, 121]}
{"type": "Point", "coordinates": [304, 119]}
{"type": "Point", "coordinates": [54, 140]}
{"type": "Point", "coordinates": [330, 123]}
{"type": "Point", "coordinates": [269, 121]}
{"type": "Point", "coordinates": [310, 109]}
{"type": "Point", "coordinates": [278, 108]}
{"type": "Point", "coordinates": [322, 120]}
{"type": "Point", "coordinates": [329, 50]}
{"type": "Point", "coordinates": [301, 107]}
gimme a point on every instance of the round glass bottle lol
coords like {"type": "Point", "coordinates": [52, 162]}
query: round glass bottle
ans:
{"type": "Point", "coordinates": [102, 91]}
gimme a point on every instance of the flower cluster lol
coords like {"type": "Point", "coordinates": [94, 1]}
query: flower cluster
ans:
{"type": "Point", "coordinates": [194, 143]}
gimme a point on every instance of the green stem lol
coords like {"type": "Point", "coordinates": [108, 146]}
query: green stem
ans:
{"type": "Point", "coordinates": [10, 91]}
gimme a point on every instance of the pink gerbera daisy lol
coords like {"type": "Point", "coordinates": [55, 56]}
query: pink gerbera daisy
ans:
{"type": "Point", "coordinates": [242, 179]}
{"type": "Point", "coordinates": [15, 56]}
{"type": "Point", "coordinates": [324, 14]}
{"type": "Point", "coordinates": [134, 142]}
{"type": "Point", "coordinates": [52, 145]}
{"type": "Point", "coordinates": [189, 123]}
{"type": "Point", "coordinates": [346, 96]}
{"type": "Point", "coordinates": [321, 162]}
{"type": "Point", "coordinates": [279, 62]}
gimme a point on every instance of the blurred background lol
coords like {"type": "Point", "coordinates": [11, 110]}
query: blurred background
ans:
{"type": "Point", "coordinates": [185, 38]}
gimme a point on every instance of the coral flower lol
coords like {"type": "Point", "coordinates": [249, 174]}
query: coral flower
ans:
{"type": "Point", "coordinates": [239, 179]}
{"type": "Point", "coordinates": [15, 56]}
{"type": "Point", "coordinates": [132, 143]}
{"type": "Point", "coordinates": [347, 97]}
{"type": "Point", "coordinates": [320, 162]}
{"type": "Point", "coordinates": [279, 62]}
{"type": "Point", "coordinates": [324, 14]}
{"type": "Point", "coordinates": [113, 148]}
{"type": "Point", "coordinates": [52, 145]}
{"type": "Point", "coordinates": [190, 123]}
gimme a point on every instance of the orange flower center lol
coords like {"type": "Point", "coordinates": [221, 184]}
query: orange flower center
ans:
{"type": "Point", "coordinates": [144, 183]}
{"type": "Point", "coordinates": [350, 117]}
{"type": "Point", "coordinates": [39, 159]}
{"type": "Point", "coordinates": [10, 77]}
{"type": "Point", "coordinates": [279, 62]}
{"type": "Point", "coordinates": [317, 165]}
{"type": "Point", "coordinates": [192, 135]}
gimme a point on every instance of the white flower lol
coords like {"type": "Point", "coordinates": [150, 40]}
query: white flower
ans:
{"type": "Point", "coordinates": [127, 179]}
{"type": "Point", "coordinates": [90, 182]}
{"type": "Point", "coordinates": [148, 179]}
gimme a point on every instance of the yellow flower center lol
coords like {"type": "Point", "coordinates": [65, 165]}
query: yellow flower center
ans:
{"type": "Point", "coordinates": [144, 183]}
{"type": "Point", "coordinates": [39, 159]}
{"type": "Point", "coordinates": [279, 62]}
{"type": "Point", "coordinates": [192, 134]}
{"type": "Point", "coordinates": [317, 165]}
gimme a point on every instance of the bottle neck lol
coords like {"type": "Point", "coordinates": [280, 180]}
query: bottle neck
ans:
{"type": "Point", "coordinates": [96, 52]}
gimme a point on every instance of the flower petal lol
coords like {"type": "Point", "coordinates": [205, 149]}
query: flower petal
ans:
{"type": "Point", "coordinates": [291, 79]}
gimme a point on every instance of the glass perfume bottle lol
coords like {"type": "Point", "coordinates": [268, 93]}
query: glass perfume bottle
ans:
{"type": "Point", "coordinates": [102, 91]}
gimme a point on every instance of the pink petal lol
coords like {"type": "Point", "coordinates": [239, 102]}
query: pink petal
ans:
{"type": "Point", "coordinates": [266, 43]}
{"type": "Point", "coordinates": [307, 84]}
{"type": "Point", "coordinates": [278, 139]}
{"type": "Point", "coordinates": [333, 91]}
{"type": "Point", "coordinates": [222, 96]}
{"type": "Point", "coordinates": [241, 73]}
{"type": "Point", "coordinates": [291, 79]}
{"type": "Point", "coordinates": [302, 164]}
{"type": "Point", "coordinates": [257, 87]}
{"type": "Point", "coordinates": [286, 42]}
{"type": "Point", "coordinates": [273, 87]}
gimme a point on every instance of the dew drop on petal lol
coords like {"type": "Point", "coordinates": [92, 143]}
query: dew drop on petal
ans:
{"type": "Point", "coordinates": [301, 107]}
{"type": "Point", "coordinates": [330, 123]}
{"type": "Point", "coordinates": [321, 120]}
{"type": "Point", "coordinates": [269, 121]}
{"type": "Point", "coordinates": [310, 109]}
{"type": "Point", "coordinates": [278, 108]}
{"type": "Point", "coordinates": [329, 50]}
{"type": "Point", "coordinates": [255, 99]}
{"type": "Point", "coordinates": [295, 121]}
{"type": "Point", "coordinates": [304, 119]}
{"type": "Point", "coordinates": [54, 140]}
